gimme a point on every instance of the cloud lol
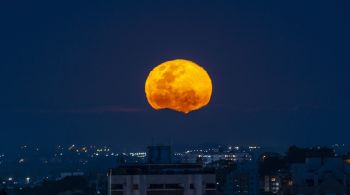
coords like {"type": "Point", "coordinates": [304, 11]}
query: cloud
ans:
{"type": "Point", "coordinates": [105, 109]}
{"type": "Point", "coordinates": [279, 108]}
{"type": "Point", "coordinates": [86, 110]}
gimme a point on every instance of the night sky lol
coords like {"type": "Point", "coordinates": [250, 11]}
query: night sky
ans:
{"type": "Point", "coordinates": [73, 72]}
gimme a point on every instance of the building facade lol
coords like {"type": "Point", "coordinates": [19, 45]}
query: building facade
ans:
{"type": "Point", "coordinates": [321, 176]}
{"type": "Point", "coordinates": [161, 179]}
{"type": "Point", "coordinates": [160, 176]}
{"type": "Point", "coordinates": [243, 179]}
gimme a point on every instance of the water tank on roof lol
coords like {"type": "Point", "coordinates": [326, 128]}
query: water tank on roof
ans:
{"type": "Point", "coordinates": [159, 154]}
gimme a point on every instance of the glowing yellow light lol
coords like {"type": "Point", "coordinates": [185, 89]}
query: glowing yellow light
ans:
{"type": "Point", "coordinates": [179, 85]}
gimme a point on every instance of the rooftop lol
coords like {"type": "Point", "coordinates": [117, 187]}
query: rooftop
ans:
{"type": "Point", "coordinates": [160, 169]}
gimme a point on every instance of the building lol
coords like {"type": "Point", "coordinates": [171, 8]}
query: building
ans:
{"type": "Point", "coordinates": [321, 176]}
{"type": "Point", "coordinates": [243, 179]}
{"type": "Point", "coordinates": [69, 174]}
{"type": "Point", "coordinates": [272, 183]}
{"type": "Point", "coordinates": [161, 177]}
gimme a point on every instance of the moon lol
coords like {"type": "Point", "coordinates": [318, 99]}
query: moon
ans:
{"type": "Point", "coordinates": [179, 85]}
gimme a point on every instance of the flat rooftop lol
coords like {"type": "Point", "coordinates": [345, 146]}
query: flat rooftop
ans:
{"type": "Point", "coordinates": [160, 169]}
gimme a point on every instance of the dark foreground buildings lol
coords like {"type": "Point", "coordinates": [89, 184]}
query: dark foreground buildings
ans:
{"type": "Point", "coordinates": [161, 177]}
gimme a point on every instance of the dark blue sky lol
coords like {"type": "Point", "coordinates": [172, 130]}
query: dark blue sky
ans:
{"type": "Point", "coordinates": [74, 72]}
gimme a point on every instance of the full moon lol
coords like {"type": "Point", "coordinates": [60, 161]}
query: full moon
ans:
{"type": "Point", "coordinates": [180, 85]}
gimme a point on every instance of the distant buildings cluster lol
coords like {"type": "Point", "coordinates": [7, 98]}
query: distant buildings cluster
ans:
{"type": "Point", "coordinates": [221, 170]}
{"type": "Point", "coordinates": [300, 171]}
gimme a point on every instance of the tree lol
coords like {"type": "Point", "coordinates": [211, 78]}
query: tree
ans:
{"type": "Point", "coordinates": [298, 155]}
{"type": "Point", "coordinates": [271, 164]}
{"type": "Point", "coordinates": [74, 184]}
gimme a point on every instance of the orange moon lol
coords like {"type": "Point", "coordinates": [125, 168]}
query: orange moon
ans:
{"type": "Point", "coordinates": [180, 85]}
